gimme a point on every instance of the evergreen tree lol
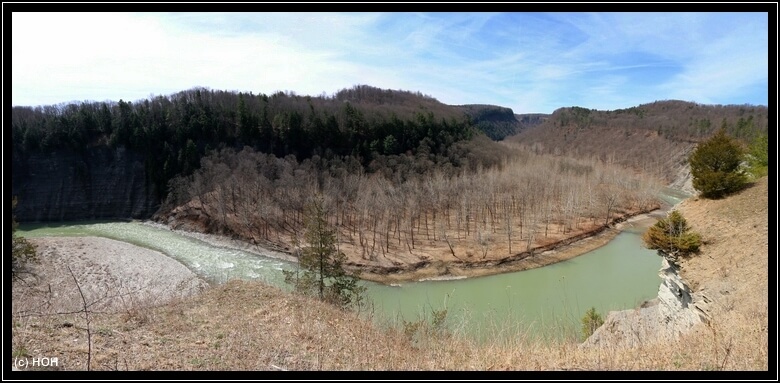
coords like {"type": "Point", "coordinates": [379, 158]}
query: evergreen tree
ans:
{"type": "Point", "coordinates": [321, 266]}
{"type": "Point", "coordinates": [590, 322]}
{"type": "Point", "coordinates": [715, 166]}
{"type": "Point", "coordinates": [672, 237]}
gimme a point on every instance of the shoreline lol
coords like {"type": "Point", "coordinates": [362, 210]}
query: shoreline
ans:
{"type": "Point", "coordinates": [443, 271]}
{"type": "Point", "coordinates": [225, 242]}
{"type": "Point", "coordinates": [440, 270]}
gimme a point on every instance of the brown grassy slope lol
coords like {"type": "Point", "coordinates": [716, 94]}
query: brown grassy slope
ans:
{"type": "Point", "coordinates": [250, 326]}
{"type": "Point", "coordinates": [733, 270]}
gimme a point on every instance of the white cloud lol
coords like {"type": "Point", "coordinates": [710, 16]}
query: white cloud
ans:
{"type": "Point", "coordinates": [529, 62]}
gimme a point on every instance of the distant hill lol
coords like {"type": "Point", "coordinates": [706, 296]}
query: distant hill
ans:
{"type": "Point", "coordinates": [655, 137]}
{"type": "Point", "coordinates": [85, 151]}
{"type": "Point", "coordinates": [498, 122]}
{"type": "Point", "coordinates": [529, 120]}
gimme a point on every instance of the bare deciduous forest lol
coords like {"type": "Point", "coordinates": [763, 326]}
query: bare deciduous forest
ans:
{"type": "Point", "coordinates": [654, 138]}
{"type": "Point", "coordinates": [397, 218]}
{"type": "Point", "coordinates": [407, 182]}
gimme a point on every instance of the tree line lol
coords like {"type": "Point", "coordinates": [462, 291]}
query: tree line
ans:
{"type": "Point", "coordinates": [174, 132]}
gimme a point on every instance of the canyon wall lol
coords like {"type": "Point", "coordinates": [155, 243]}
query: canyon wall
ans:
{"type": "Point", "coordinates": [96, 183]}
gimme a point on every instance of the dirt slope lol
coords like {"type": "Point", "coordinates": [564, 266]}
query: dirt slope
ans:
{"type": "Point", "coordinates": [733, 268]}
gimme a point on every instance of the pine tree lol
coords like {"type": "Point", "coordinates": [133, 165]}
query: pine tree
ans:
{"type": "Point", "coordinates": [716, 166]}
{"type": "Point", "coordinates": [321, 270]}
{"type": "Point", "coordinates": [672, 237]}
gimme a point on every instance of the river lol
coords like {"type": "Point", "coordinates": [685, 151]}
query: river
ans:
{"type": "Point", "coordinates": [547, 301]}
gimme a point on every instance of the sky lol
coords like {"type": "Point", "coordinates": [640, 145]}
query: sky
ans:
{"type": "Point", "coordinates": [530, 62]}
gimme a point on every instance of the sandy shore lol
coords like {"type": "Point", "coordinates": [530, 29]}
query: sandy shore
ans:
{"type": "Point", "coordinates": [113, 276]}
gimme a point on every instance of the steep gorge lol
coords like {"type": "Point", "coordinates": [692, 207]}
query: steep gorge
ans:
{"type": "Point", "coordinates": [98, 183]}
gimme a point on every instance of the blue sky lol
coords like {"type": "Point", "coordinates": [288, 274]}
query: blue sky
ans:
{"type": "Point", "coordinates": [530, 62]}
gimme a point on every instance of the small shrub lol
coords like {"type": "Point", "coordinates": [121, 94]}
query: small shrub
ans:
{"type": "Point", "coordinates": [758, 156]}
{"type": "Point", "coordinates": [22, 251]}
{"type": "Point", "coordinates": [590, 322]}
{"type": "Point", "coordinates": [416, 331]}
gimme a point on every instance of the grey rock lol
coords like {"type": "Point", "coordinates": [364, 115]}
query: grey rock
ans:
{"type": "Point", "coordinates": [675, 311]}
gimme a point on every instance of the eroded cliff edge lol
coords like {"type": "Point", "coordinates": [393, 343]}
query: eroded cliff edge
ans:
{"type": "Point", "coordinates": [673, 312]}
{"type": "Point", "coordinates": [726, 285]}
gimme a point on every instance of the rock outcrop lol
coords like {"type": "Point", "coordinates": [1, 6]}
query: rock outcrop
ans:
{"type": "Point", "coordinates": [676, 306]}
{"type": "Point", "coordinates": [98, 183]}
{"type": "Point", "coordinates": [683, 180]}
{"type": "Point", "coordinates": [675, 311]}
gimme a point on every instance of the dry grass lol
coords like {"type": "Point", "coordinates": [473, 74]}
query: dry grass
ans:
{"type": "Point", "coordinates": [250, 326]}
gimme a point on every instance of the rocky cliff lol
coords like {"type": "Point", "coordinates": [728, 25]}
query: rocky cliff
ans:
{"type": "Point", "coordinates": [496, 122]}
{"type": "Point", "coordinates": [729, 280]}
{"type": "Point", "coordinates": [674, 312]}
{"type": "Point", "coordinates": [98, 183]}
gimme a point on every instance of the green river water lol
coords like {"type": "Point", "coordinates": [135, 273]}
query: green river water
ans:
{"type": "Point", "coordinates": [547, 301]}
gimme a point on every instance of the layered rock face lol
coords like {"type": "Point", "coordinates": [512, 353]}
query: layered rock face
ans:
{"type": "Point", "coordinates": [99, 183]}
{"type": "Point", "coordinates": [676, 306]}
{"type": "Point", "coordinates": [673, 312]}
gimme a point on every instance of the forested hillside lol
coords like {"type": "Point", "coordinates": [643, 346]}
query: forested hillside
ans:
{"type": "Point", "coordinates": [165, 136]}
{"type": "Point", "coordinates": [654, 138]}
{"type": "Point", "coordinates": [495, 121]}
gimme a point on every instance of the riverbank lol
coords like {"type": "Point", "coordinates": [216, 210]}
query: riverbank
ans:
{"type": "Point", "coordinates": [560, 252]}
{"type": "Point", "coordinates": [112, 276]}
{"type": "Point", "coordinates": [728, 288]}
{"type": "Point", "coordinates": [218, 329]}
{"type": "Point", "coordinates": [438, 269]}
{"type": "Point", "coordinates": [226, 242]}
